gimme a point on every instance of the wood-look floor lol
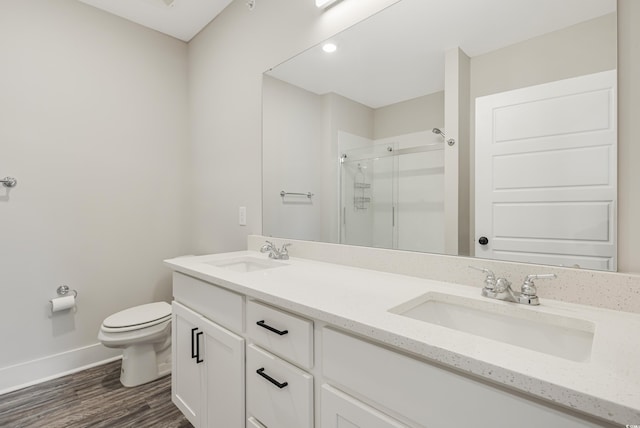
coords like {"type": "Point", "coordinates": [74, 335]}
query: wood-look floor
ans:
{"type": "Point", "coordinates": [92, 398]}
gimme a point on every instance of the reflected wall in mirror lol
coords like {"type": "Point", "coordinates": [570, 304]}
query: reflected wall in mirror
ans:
{"type": "Point", "coordinates": [437, 124]}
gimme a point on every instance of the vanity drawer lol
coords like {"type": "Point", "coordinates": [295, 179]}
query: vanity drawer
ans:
{"type": "Point", "coordinates": [427, 394]}
{"type": "Point", "coordinates": [215, 303]}
{"type": "Point", "coordinates": [272, 402]}
{"type": "Point", "coordinates": [286, 335]}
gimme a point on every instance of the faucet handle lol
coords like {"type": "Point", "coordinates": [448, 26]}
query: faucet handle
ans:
{"type": "Point", "coordinates": [529, 288]}
{"type": "Point", "coordinates": [284, 252]}
{"type": "Point", "coordinates": [490, 280]}
{"type": "Point", "coordinates": [503, 285]}
{"type": "Point", "coordinates": [268, 246]}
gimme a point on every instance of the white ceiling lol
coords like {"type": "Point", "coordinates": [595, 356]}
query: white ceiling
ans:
{"type": "Point", "coordinates": [384, 59]}
{"type": "Point", "coordinates": [182, 19]}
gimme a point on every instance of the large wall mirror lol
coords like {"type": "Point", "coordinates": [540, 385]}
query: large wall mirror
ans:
{"type": "Point", "coordinates": [456, 127]}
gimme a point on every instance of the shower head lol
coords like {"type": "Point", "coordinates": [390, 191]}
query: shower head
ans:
{"type": "Point", "coordinates": [438, 131]}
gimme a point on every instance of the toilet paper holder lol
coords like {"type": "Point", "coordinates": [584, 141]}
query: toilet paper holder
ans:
{"type": "Point", "coordinates": [63, 290]}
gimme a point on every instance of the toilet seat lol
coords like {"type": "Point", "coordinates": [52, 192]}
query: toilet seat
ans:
{"type": "Point", "coordinates": [138, 318]}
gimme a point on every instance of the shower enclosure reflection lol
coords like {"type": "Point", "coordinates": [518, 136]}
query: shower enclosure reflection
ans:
{"type": "Point", "coordinates": [392, 192]}
{"type": "Point", "coordinates": [376, 174]}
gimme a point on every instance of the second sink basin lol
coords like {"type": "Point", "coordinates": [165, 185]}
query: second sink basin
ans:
{"type": "Point", "coordinates": [557, 335]}
{"type": "Point", "coordinates": [246, 264]}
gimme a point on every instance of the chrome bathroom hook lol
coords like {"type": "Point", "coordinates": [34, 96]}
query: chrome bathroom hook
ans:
{"type": "Point", "coordinates": [9, 182]}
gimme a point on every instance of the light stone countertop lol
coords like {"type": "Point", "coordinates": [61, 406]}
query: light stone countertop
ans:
{"type": "Point", "coordinates": [358, 300]}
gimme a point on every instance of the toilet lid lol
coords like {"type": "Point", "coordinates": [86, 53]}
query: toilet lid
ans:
{"type": "Point", "coordinates": [137, 315]}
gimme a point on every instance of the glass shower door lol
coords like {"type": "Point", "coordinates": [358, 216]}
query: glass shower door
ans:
{"type": "Point", "coordinates": [367, 202]}
{"type": "Point", "coordinates": [392, 196]}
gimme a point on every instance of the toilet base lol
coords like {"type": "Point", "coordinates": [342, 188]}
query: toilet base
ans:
{"type": "Point", "coordinates": [142, 364]}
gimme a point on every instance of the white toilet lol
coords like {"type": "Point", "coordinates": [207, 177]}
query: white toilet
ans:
{"type": "Point", "coordinates": [144, 333]}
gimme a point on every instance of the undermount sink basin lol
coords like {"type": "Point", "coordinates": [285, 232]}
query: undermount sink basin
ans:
{"type": "Point", "coordinates": [246, 264]}
{"type": "Point", "coordinates": [557, 335]}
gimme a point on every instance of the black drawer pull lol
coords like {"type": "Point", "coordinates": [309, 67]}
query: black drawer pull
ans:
{"type": "Point", "coordinates": [198, 360]}
{"type": "Point", "coordinates": [261, 372]}
{"type": "Point", "coordinates": [268, 327]}
{"type": "Point", "coordinates": [194, 353]}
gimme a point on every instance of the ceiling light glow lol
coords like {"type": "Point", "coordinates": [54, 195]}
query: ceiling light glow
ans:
{"type": "Point", "coordinates": [329, 47]}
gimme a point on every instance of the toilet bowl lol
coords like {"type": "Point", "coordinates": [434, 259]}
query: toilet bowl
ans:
{"type": "Point", "coordinates": [144, 334]}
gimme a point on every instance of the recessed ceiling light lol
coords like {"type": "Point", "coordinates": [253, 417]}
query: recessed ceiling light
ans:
{"type": "Point", "coordinates": [329, 47]}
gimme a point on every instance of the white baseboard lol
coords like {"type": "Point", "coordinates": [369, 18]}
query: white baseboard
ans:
{"type": "Point", "coordinates": [43, 369]}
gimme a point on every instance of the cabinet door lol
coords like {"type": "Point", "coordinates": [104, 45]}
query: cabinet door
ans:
{"type": "Point", "coordinates": [186, 380]}
{"type": "Point", "coordinates": [223, 373]}
{"type": "Point", "coordinates": [342, 411]}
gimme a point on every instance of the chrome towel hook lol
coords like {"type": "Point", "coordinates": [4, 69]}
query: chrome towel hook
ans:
{"type": "Point", "coordinates": [9, 182]}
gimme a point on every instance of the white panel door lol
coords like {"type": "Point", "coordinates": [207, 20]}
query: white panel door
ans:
{"type": "Point", "coordinates": [546, 173]}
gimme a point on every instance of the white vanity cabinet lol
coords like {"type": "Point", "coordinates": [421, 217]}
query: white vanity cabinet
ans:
{"type": "Point", "coordinates": [279, 389]}
{"type": "Point", "coordinates": [428, 395]}
{"type": "Point", "coordinates": [239, 362]}
{"type": "Point", "coordinates": [208, 383]}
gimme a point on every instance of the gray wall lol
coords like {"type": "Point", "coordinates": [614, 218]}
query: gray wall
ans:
{"type": "Point", "coordinates": [226, 62]}
{"type": "Point", "coordinates": [292, 145]}
{"type": "Point", "coordinates": [415, 115]}
{"type": "Point", "coordinates": [628, 135]}
{"type": "Point", "coordinates": [299, 152]}
{"type": "Point", "coordinates": [93, 124]}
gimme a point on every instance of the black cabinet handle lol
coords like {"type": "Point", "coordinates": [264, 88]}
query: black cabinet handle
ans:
{"type": "Point", "coordinates": [261, 372]}
{"type": "Point", "coordinates": [268, 327]}
{"type": "Point", "coordinates": [198, 360]}
{"type": "Point", "coordinates": [194, 353]}
{"type": "Point", "coordinates": [483, 240]}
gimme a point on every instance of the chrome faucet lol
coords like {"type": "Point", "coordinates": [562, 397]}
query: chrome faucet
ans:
{"type": "Point", "coordinates": [274, 252]}
{"type": "Point", "coordinates": [500, 288]}
{"type": "Point", "coordinates": [529, 293]}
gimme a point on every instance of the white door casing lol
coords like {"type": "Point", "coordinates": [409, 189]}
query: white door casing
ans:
{"type": "Point", "coordinates": [546, 173]}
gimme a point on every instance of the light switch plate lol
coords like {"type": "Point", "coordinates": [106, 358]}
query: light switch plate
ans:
{"type": "Point", "coordinates": [242, 216]}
